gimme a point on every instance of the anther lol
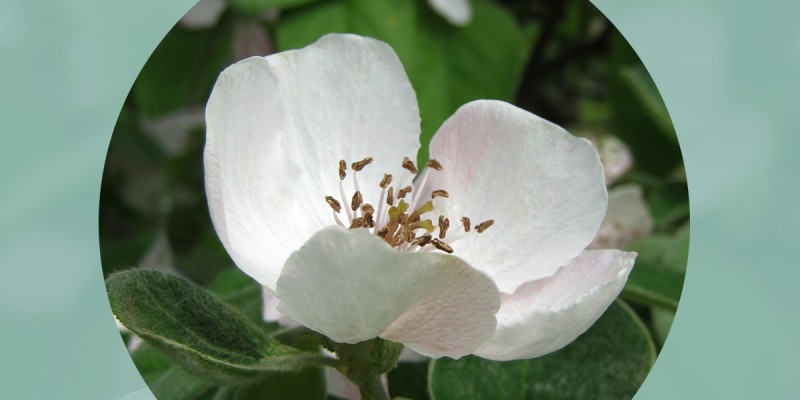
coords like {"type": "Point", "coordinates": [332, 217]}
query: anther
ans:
{"type": "Point", "coordinates": [439, 193]}
{"type": "Point", "coordinates": [442, 246]}
{"type": "Point", "coordinates": [422, 240]}
{"type": "Point", "coordinates": [367, 209]}
{"type": "Point", "coordinates": [390, 196]}
{"type": "Point", "coordinates": [465, 221]}
{"type": "Point", "coordinates": [404, 191]}
{"type": "Point", "coordinates": [386, 181]}
{"type": "Point", "coordinates": [444, 223]}
{"type": "Point", "coordinates": [359, 165]}
{"type": "Point", "coordinates": [359, 222]}
{"type": "Point", "coordinates": [484, 225]}
{"type": "Point", "coordinates": [434, 164]}
{"type": "Point", "coordinates": [356, 202]}
{"type": "Point", "coordinates": [342, 168]}
{"type": "Point", "coordinates": [335, 205]}
{"type": "Point", "coordinates": [409, 165]}
{"type": "Point", "coordinates": [382, 233]}
{"type": "Point", "coordinates": [370, 220]}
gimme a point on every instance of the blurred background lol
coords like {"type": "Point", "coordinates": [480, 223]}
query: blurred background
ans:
{"type": "Point", "coordinates": [561, 60]}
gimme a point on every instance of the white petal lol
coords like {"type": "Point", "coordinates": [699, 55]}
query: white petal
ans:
{"type": "Point", "coordinates": [351, 286]}
{"type": "Point", "coordinates": [542, 186]}
{"type": "Point", "coordinates": [615, 156]}
{"type": "Point", "coordinates": [627, 219]}
{"type": "Point", "coordinates": [204, 14]}
{"type": "Point", "coordinates": [277, 127]}
{"type": "Point", "coordinates": [546, 315]}
{"type": "Point", "coordinates": [456, 12]}
{"type": "Point", "coordinates": [270, 311]}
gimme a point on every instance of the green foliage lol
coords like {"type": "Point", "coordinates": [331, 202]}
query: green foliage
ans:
{"type": "Point", "coordinates": [201, 333]}
{"type": "Point", "coordinates": [608, 362]}
{"type": "Point", "coordinates": [182, 69]}
{"type": "Point", "coordinates": [657, 277]}
{"type": "Point", "coordinates": [410, 380]}
{"type": "Point", "coordinates": [255, 7]}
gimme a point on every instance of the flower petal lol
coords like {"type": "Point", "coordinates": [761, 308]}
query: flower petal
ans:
{"type": "Point", "coordinates": [456, 12]}
{"type": "Point", "coordinates": [546, 315]}
{"type": "Point", "coordinates": [351, 286]}
{"type": "Point", "coordinates": [542, 186]}
{"type": "Point", "coordinates": [204, 14]}
{"type": "Point", "coordinates": [277, 127]}
{"type": "Point", "coordinates": [627, 219]}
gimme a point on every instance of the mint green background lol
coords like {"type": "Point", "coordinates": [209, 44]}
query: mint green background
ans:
{"type": "Point", "coordinates": [725, 69]}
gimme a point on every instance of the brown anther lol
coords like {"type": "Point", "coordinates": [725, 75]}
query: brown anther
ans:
{"type": "Point", "coordinates": [382, 233]}
{"type": "Point", "coordinates": [404, 191]}
{"type": "Point", "coordinates": [409, 165]}
{"type": "Point", "coordinates": [342, 168]}
{"type": "Point", "coordinates": [439, 193]}
{"type": "Point", "coordinates": [390, 196]}
{"type": "Point", "coordinates": [367, 209]}
{"type": "Point", "coordinates": [410, 236]}
{"type": "Point", "coordinates": [484, 225]}
{"type": "Point", "coordinates": [399, 237]}
{"type": "Point", "coordinates": [359, 165]}
{"type": "Point", "coordinates": [422, 240]}
{"type": "Point", "coordinates": [386, 181]}
{"type": "Point", "coordinates": [444, 223]}
{"type": "Point", "coordinates": [465, 221]}
{"type": "Point", "coordinates": [356, 202]}
{"type": "Point", "coordinates": [335, 205]}
{"type": "Point", "coordinates": [442, 246]}
{"type": "Point", "coordinates": [359, 222]}
{"type": "Point", "coordinates": [434, 164]}
{"type": "Point", "coordinates": [370, 220]}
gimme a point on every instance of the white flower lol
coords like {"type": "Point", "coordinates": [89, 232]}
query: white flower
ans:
{"type": "Point", "coordinates": [204, 14]}
{"type": "Point", "coordinates": [456, 12]}
{"type": "Point", "coordinates": [277, 128]}
{"type": "Point", "coordinates": [627, 218]}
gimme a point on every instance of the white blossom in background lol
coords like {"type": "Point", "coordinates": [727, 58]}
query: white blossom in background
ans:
{"type": "Point", "coordinates": [313, 191]}
{"type": "Point", "coordinates": [616, 157]}
{"type": "Point", "coordinates": [204, 14]}
{"type": "Point", "coordinates": [456, 12]}
{"type": "Point", "coordinates": [627, 219]}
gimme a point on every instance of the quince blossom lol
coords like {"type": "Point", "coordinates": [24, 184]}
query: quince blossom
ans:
{"type": "Point", "coordinates": [313, 193]}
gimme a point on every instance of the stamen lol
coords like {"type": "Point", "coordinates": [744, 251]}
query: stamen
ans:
{"type": "Point", "coordinates": [359, 222]}
{"type": "Point", "coordinates": [444, 223]}
{"type": "Point", "coordinates": [390, 196]}
{"type": "Point", "coordinates": [442, 246]}
{"type": "Point", "coordinates": [367, 209]}
{"type": "Point", "coordinates": [342, 168]}
{"type": "Point", "coordinates": [484, 225]}
{"type": "Point", "coordinates": [465, 221]}
{"type": "Point", "coordinates": [435, 164]}
{"type": "Point", "coordinates": [424, 224]}
{"type": "Point", "coordinates": [370, 220]}
{"type": "Point", "coordinates": [422, 240]}
{"type": "Point", "coordinates": [344, 198]}
{"type": "Point", "coordinates": [439, 193]}
{"type": "Point", "coordinates": [382, 233]}
{"type": "Point", "coordinates": [359, 165]}
{"type": "Point", "coordinates": [404, 191]}
{"type": "Point", "coordinates": [409, 165]}
{"type": "Point", "coordinates": [335, 205]}
{"type": "Point", "coordinates": [386, 181]}
{"type": "Point", "coordinates": [357, 199]}
{"type": "Point", "coordinates": [338, 221]}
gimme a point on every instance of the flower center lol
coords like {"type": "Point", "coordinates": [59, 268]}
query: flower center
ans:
{"type": "Point", "coordinates": [402, 218]}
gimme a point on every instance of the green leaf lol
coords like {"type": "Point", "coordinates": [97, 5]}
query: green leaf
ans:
{"type": "Point", "coordinates": [608, 362]}
{"type": "Point", "coordinates": [182, 69]}
{"type": "Point", "coordinates": [308, 384]}
{"type": "Point", "coordinates": [201, 333]}
{"type": "Point", "coordinates": [660, 269]}
{"type": "Point", "coordinates": [448, 66]}
{"type": "Point", "coordinates": [239, 290]}
{"type": "Point", "coordinates": [661, 321]}
{"type": "Point", "coordinates": [410, 380]}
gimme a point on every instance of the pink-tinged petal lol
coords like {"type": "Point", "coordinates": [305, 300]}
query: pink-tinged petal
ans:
{"type": "Point", "coordinates": [616, 158]}
{"type": "Point", "coordinates": [456, 12]}
{"type": "Point", "coordinates": [546, 315]}
{"type": "Point", "coordinates": [270, 311]}
{"type": "Point", "coordinates": [627, 219]}
{"type": "Point", "coordinates": [351, 286]}
{"type": "Point", "coordinates": [277, 127]}
{"type": "Point", "coordinates": [542, 186]}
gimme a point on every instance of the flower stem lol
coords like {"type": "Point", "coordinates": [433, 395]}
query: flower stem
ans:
{"type": "Point", "coordinates": [372, 389]}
